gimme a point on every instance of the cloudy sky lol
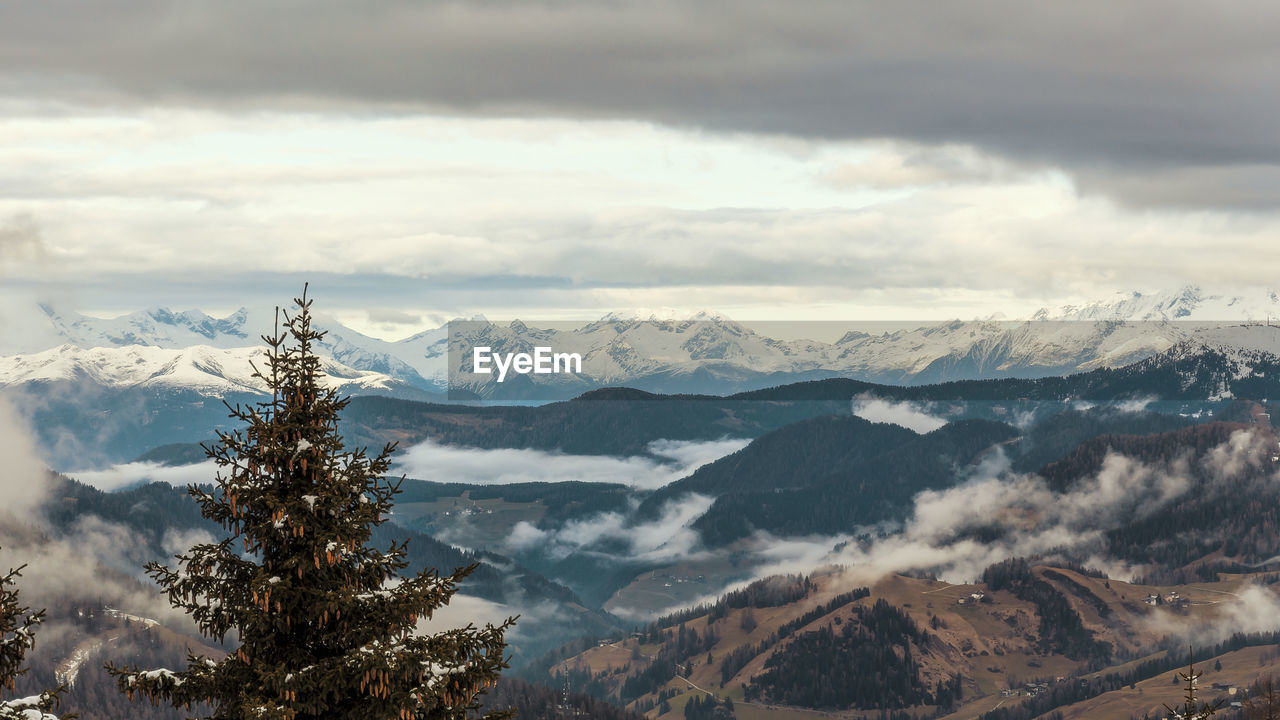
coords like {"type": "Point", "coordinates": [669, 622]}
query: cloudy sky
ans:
{"type": "Point", "coordinates": [823, 160]}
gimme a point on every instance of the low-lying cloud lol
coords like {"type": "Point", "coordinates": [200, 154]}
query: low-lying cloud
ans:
{"type": "Point", "coordinates": [672, 460]}
{"type": "Point", "coordinates": [22, 485]}
{"type": "Point", "coordinates": [669, 537]}
{"type": "Point", "coordinates": [447, 463]}
{"type": "Point", "coordinates": [1136, 405]}
{"type": "Point", "coordinates": [127, 475]}
{"type": "Point", "coordinates": [532, 623]}
{"type": "Point", "coordinates": [1031, 517]}
{"type": "Point", "coordinates": [907, 414]}
{"type": "Point", "coordinates": [1028, 517]}
{"type": "Point", "coordinates": [1254, 609]}
{"type": "Point", "coordinates": [992, 515]}
{"type": "Point", "coordinates": [94, 560]}
{"type": "Point", "coordinates": [1243, 451]}
{"type": "Point", "coordinates": [463, 609]}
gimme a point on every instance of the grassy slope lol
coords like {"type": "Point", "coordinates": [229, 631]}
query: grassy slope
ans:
{"type": "Point", "coordinates": [990, 644]}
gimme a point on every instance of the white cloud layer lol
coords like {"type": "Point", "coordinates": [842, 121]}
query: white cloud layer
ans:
{"type": "Point", "coordinates": [126, 475]}
{"type": "Point", "coordinates": [673, 460]}
{"type": "Point", "coordinates": [447, 463]}
{"type": "Point", "coordinates": [1254, 609]}
{"type": "Point", "coordinates": [1033, 519]}
{"type": "Point", "coordinates": [556, 218]}
{"type": "Point", "coordinates": [907, 414]}
{"type": "Point", "coordinates": [667, 538]}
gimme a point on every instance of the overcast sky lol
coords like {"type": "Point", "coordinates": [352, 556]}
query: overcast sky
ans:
{"type": "Point", "coordinates": [417, 161]}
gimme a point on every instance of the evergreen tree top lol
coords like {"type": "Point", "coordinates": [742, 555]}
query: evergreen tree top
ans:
{"type": "Point", "coordinates": [323, 624]}
{"type": "Point", "coordinates": [1190, 709]}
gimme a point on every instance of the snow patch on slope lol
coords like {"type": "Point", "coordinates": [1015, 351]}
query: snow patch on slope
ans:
{"type": "Point", "coordinates": [208, 370]}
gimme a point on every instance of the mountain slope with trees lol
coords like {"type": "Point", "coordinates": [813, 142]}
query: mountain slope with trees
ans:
{"type": "Point", "coordinates": [829, 475]}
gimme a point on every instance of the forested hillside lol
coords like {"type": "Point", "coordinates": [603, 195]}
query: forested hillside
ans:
{"type": "Point", "coordinates": [830, 474]}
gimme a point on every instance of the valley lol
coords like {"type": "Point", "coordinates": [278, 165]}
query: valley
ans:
{"type": "Point", "coordinates": [993, 640]}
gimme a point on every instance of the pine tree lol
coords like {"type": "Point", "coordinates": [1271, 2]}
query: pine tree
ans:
{"type": "Point", "coordinates": [16, 638]}
{"type": "Point", "coordinates": [1190, 710]}
{"type": "Point", "coordinates": [322, 623]}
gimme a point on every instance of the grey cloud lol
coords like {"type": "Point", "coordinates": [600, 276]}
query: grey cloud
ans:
{"type": "Point", "coordinates": [1248, 185]}
{"type": "Point", "coordinates": [1122, 93]}
{"type": "Point", "coordinates": [21, 242]}
{"type": "Point", "coordinates": [901, 165]}
{"type": "Point", "coordinates": [22, 484]}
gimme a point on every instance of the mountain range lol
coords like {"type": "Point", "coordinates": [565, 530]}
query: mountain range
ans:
{"type": "Point", "coordinates": [701, 352]}
{"type": "Point", "coordinates": [83, 423]}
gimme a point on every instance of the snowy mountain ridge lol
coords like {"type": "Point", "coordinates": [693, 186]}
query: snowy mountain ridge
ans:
{"type": "Point", "coordinates": [207, 370]}
{"type": "Point", "coordinates": [47, 328]}
{"type": "Point", "coordinates": [1190, 303]}
{"type": "Point", "coordinates": [672, 350]}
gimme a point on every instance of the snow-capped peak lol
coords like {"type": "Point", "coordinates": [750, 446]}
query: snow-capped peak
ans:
{"type": "Point", "coordinates": [665, 314]}
{"type": "Point", "coordinates": [202, 368]}
{"type": "Point", "coordinates": [1190, 303]}
{"type": "Point", "coordinates": [157, 326]}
